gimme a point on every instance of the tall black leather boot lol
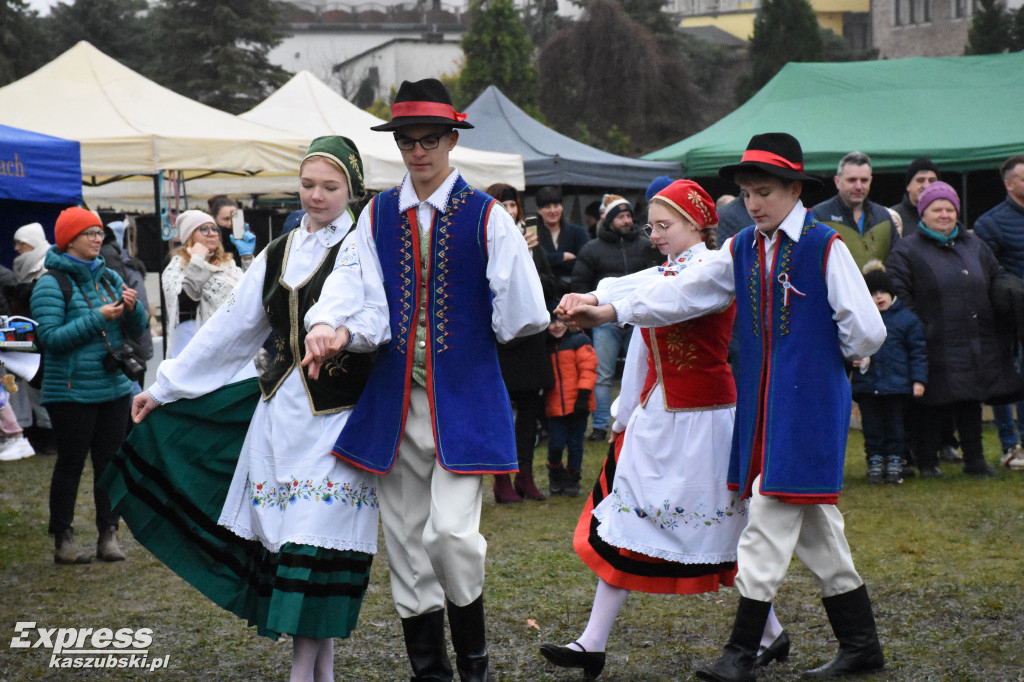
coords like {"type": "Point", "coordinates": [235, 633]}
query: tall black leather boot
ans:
{"type": "Point", "coordinates": [424, 642]}
{"type": "Point", "coordinates": [854, 624]}
{"type": "Point", "coordinates": [469, 639]}
{"type": "Point", "coordinates": [736, 663]}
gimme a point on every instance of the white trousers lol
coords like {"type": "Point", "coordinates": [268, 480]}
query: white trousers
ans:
{"type": "Point", "coordinates": [775, 530]}
{"type": "Point", "coordinates": [431, 521]}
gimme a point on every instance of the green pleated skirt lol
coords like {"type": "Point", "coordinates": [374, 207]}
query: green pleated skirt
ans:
{"type": "Point", "coordinates": [169, 483]}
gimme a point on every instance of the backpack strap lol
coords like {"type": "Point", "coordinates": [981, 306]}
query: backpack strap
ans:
{"type": "Point", "coordinates": [64, 282]}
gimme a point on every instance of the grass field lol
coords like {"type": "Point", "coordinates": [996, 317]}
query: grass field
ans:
{"type": "Point", "coordinates": [942, 559]}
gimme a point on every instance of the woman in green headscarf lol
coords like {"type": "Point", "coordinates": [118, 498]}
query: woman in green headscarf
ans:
{"type": "Point", "coordinates": [235, 488]}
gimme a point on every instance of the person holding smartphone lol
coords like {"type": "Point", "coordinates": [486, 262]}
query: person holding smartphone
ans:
{"type": "Point", "coordinates": [234, 231]}
{"type": "Point", "coordinates": [199, 278]}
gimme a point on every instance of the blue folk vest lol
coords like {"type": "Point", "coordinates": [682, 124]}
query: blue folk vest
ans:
{"type": "Point", "coordinates": [793, 404]}
{"type": "Point", "coordinates": [469, 407]}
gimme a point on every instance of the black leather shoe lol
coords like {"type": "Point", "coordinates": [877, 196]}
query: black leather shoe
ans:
{"type": "Point", "coordinates": [931, 471]}
{"type": "Point", "coordinates": [592, 662]}
{"type": "Point", "coordinates": [598, 434]}
{"type": "Point", "coordinates": [776, 651]}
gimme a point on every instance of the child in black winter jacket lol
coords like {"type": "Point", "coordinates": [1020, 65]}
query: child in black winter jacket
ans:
{"type": "Point", "coordinates": [884, 383]}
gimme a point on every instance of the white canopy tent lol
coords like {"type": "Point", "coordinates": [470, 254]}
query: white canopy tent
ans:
{"type": "Point", "coordinates": [128, 126]}
{"type": "Point", "coordinates": [307, 107]}
{"type": "Point", "coordinates": [305, 104]}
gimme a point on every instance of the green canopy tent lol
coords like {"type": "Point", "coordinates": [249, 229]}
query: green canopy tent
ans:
{"type": "Point", "coordinates": [965, 113]}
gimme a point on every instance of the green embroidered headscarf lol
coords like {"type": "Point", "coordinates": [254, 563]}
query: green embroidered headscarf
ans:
{"type": "Point", "coordinates": [343, 153]}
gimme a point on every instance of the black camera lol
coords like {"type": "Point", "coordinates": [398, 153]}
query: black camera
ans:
{"type": "Point", "coordinates": [124, 359]}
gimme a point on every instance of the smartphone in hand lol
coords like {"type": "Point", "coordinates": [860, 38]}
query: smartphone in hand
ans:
{"type": "Point", "coordinates": [531, 226]}
{"type": "Point", "coordinates": [237, 223]}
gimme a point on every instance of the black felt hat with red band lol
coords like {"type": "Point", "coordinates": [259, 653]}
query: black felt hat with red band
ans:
{"type": "Point", "coordinates": [423, 102]}
{"type": "Point", "coordinates": [777, 154]}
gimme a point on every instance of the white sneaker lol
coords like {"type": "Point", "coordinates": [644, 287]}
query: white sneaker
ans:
{"type": "Point", "coordinates": [1013, 458]}
{"type": "Point", "coordinates": [20, 448]}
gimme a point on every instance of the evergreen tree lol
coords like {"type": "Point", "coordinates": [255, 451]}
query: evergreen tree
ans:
{"type": "Point", "coordinates": [498, 52]}
{"type": "Point", "coordinates": [784, 31]}
{"type": "Point", "coordinates": [120, 29]}
{"type": "Point", "coordinates": [651, 15]}
{"type": "Point", "coordinates": [1017, 31]}
{"type": "Point", "coordinates": [542, 20]}
{"type": "Point", "coordinates": [990, 29]}
{"type": "Point", "coordinates": [23, 44]}
{"type": "Point", "coordinates": [215, 51]}
{"type": "Point", "coordinates": [606, 75]}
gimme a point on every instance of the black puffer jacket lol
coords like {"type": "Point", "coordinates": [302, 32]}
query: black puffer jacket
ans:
{"type": "Point", "coordinates": [948, 286]}
{"type": "Point", "coordinates": [612, 254]}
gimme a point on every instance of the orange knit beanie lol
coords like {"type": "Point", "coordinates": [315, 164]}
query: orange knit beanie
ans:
{"type": "Point", "coordinates": [71, 222]}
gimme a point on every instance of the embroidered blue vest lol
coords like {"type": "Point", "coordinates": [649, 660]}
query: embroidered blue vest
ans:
{"type": "Point", "coordinates": [469, 406]}
{"type": "Point", "coordinates": [793, 403]}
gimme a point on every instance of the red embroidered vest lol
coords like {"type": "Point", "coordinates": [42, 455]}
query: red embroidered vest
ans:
{"type": "Point", "coordinates": [690, 361]}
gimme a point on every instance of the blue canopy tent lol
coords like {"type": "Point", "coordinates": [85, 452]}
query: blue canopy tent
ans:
{"type": "Point", "coordinates": [40, 175]}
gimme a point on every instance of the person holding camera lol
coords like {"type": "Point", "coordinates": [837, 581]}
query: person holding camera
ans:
{"type": "Point", "coordinates": [84, 313]}
{"type": "Point", "coordinates": [199, 278]}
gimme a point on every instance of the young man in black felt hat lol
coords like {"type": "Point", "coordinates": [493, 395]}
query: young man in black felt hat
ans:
{"type": "Point", "coordinates": [802, 307]}
{"type": "Point", "coordinates": [435, 416]}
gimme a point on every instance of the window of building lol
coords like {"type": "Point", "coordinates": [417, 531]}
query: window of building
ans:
{"type": "Point", "coordinates": [959, 9]}
{"type": "Point", "coordinates": [926, 10]}
{"type": "Point", "coordinates": [897, 12]}
{"type": "Point", "coordinates": [911, 14]}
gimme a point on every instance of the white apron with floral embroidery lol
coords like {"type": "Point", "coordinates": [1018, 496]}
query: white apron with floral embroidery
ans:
{"type": "Point", "coordinates": [669, 498]}
{"type": "Point", "coordinates": [289, 488]}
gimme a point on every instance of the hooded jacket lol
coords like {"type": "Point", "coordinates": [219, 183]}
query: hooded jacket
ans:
{"type": "Point", "coordinates": [612, 254]}
{"type": "Point", "coordinates": [575, 368]}
{"type": "Point", "coordinates": [902, 359]}
{"type": "Point", "coordinates": [71, 334]}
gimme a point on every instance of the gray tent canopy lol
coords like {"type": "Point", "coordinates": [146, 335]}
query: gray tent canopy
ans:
{"type": "Point", "coordinates": [550, 158]}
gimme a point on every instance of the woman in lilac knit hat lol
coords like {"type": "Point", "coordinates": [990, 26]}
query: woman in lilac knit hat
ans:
{"type": "Point", "coordinates": [945, 273]}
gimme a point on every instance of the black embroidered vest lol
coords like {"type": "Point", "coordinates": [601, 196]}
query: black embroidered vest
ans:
{"type": "Point", "coordinates": [343, 377]}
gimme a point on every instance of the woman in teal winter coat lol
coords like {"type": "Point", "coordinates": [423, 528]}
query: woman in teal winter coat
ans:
{"type": "Point", "coordinates": [84, 311]}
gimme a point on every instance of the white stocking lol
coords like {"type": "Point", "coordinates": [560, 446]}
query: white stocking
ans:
{"type": "Point", "coordinates": [608, 601]}
{"type": "Point", "coordinates": [324, 670]}
{"type": "Point", "coordinates": [772, 629]}
{"type": "Point", "coordinates": [304, 650]}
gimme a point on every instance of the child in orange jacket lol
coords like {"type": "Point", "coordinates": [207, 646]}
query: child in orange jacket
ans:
{"type": "Point", "coordinates": [568, 404]}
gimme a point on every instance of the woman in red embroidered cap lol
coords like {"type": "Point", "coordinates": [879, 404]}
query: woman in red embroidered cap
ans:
{"type": "Point", "coordinates": [661, 518]}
